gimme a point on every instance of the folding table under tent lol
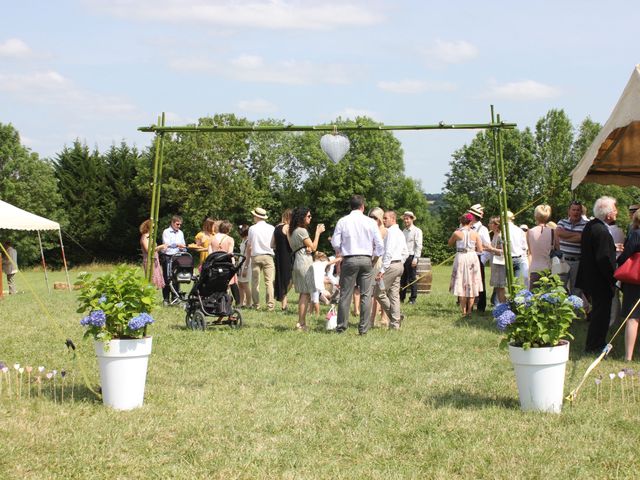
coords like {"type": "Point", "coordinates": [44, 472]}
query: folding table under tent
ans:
{"type": "Point", "coordinates": [614, 156]}
{"type": "Point", "coordinates": [14, 218]}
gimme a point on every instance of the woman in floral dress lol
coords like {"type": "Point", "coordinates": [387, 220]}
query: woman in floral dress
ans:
{"type": "Point", "coordinates": [466, 280]}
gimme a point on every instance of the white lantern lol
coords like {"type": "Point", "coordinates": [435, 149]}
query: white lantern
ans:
{"type": "Point", "coordinates": [335, 146]}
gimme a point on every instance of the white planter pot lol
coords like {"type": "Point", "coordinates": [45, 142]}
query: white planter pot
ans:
{"type": "Point", "coordinates": [123, 371]}
{"type": "Point", "coordinates": [540, 376]}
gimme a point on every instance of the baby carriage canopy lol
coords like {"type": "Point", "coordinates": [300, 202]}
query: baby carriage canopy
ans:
{"type": "Point", "coordinates": [217, 271]}
{"type": "Point", "coordinates": [182, 267]}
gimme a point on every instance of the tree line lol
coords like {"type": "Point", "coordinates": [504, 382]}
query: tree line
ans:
{"type": "Point", "coordinates": [100, 198]}
{"type": "Point", "coordinates": [538, 164]}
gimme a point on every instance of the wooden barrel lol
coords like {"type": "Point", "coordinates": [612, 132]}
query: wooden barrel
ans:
{"type": "Point", "coordinates": [423, 274]}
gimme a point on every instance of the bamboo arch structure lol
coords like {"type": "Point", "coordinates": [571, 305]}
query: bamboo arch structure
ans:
{"type": "Point", "coordinates": [495, 126]}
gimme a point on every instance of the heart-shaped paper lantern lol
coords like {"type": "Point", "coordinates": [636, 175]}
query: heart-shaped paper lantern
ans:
{"type": "Point", "coordinates": [335, 146]}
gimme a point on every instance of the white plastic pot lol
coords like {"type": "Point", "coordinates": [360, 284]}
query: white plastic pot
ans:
{"type": "Point", "coordinates": [123, 371]}
{"type": "Point", "coordinates": [540, 376]}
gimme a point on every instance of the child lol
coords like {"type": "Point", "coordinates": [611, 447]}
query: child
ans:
{"type": "Point", "coordinates": [320, 264]}
{"type": "Point", "coordinates": [244, 275]}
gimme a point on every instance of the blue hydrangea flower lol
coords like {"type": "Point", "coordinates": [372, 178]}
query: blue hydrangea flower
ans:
{"type": "Point", "coordinates": [96, 318]}
{"type": "Point", "coordinates": [139, 321]}
{"type": "Point", "coordinates": [550, 298]}
{"type": "Point", "coordinates": [519, 300]}
{"type": "Point", "coordinates": [524, 293]}
{"type": "Point", "coordinates": [500, 309]}
{"type": "Point", "coordinates": [575, 301]}
{"type": "Point", "coordinates": [102, 299]}
{"type": "Point", "coordinates": [506, 318]}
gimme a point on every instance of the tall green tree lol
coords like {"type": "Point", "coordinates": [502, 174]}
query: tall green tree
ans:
{"type": "Point", "coordinates": [556, 155]}
{"type": "Point", "coordinates": [121, 166]}
{"type": "Point", "coordinates": [473, 178]}
{"type": "Point", "coordinates": [27, 182]}
{"type": "Point", "coordinates": [89, 201]}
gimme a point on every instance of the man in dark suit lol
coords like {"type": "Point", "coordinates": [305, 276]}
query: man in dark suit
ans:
{"type": "Point", "coordinates": [595, 274]}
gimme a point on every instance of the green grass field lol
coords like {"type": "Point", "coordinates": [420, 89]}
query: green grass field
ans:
{"type": "Point", "coordinates": [437, 399]}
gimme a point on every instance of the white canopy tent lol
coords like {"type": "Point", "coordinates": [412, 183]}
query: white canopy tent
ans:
{"type": "Point", "coordinates": [14, 218]}
{"type": "Point", "coordinates": [614, 156]}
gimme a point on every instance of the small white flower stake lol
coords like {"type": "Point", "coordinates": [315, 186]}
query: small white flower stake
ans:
{"type": "Point", "coordinates": [631, 375]}
{"type": "Point", "coordinates": [16, 367]}
{"type": "Point", "coordinates": [20, 371]}
{"type": "Point", "coordinates": [6, 373]}
{"type": "Point", "coordinates": [29, 369]}
{"type": "Point", "coordinates": [598, 382]}
{"type": "Point", "coordinates": [612, 377]}
{"type": "Point", "coordinates": [63, 374]}
{"type": "Point", "coordinates": [621, 377]}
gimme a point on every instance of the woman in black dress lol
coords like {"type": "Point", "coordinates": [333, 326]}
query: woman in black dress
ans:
{"type": "Point", "coordinates": [630, 292]}
{"type": "Point", "coordinates": [282, 250]}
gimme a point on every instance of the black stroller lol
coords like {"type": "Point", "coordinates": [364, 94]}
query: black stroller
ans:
{"type": "Point", "coordinates": [209, 297]}
{"type": "Point", "coordinates": [180, 268]}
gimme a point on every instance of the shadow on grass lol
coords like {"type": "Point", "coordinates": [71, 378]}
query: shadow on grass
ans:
{"type": "Point", "coordinates": [464, 400]}
{"type": "Point", "coordinates": [482, 321]}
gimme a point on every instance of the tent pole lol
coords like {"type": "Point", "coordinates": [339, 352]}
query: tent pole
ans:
{"type": "Point", "coordinates": [64, 260]}
{"type": "Point", "coordinates": [1, 286]}
{"type": "Point", "coordinates": [44, 264]}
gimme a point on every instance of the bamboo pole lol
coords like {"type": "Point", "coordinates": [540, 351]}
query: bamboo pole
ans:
{"type": "Point", "coordinates": [155, 200]}
{"type": "Point", "coordinates": [320, 128]}
{"type": "Point", "coordinates": [504, 220]}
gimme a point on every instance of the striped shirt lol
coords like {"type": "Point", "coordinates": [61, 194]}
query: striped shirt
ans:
{"type": "Point", "coordinates": [571, 249]}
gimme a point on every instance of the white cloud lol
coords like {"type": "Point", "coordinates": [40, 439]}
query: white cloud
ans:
{"type": "Point", "coordinates": [524, 90]}
{"type": "Point", "coordinates": [270, 14]}
{"type": "Point", "coordinates": [451, 52]}
{"type": "Point", "coordinates": [415, 86]}
{"type": "Point", "coordinates": [14, 47]}
{"type": "Point", "coordinates": [51, 88]}
{"type": "Point", "coordinates": [257, 106]}
{"type": "Point", "coordinates": [253, 68]}
{"type": "Point", "coordinates": [353, 113]}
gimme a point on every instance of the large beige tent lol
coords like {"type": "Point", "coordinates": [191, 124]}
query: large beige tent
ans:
{"type": "Point", "coordinates": [614, 156]}
{"type": "Point", "coordinates": [14, 218]}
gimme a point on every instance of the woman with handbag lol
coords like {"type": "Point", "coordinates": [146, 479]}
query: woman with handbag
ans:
{"type": "Point", "coordinates": [630, 291]}
{"type": "Point", "coordinates": [301, 244]}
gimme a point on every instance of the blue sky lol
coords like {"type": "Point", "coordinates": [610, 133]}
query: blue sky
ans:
{"type": "Point", "coordinates": [97, 70]}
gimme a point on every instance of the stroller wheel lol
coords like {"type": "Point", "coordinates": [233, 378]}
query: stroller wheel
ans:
{"type": "Point", "coordinates": [198, 321]}
{"type": "Point", "coordinates": [235, 319]}
{"type": "Point", "coordinates": [190, 320]}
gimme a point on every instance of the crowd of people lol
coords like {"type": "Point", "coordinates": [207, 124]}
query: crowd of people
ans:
{"type": "Point", "coordinates": [373, 265]}
{"type": "Point", "coordinates": [590, 250]}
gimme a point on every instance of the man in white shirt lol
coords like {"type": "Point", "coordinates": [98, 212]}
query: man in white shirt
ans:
{"type": "Point", "coordinates": [173, 238]}
{"type": "Point", "coordinates": [395, 253]}
{"type": "Point", "coordinates": [261, 254]}
{"type": "Point", "coordinates": [413, 237]}
{"type": "Point", "coordinates": [518, 244]}
{"type": "Point", "coordinates": [357, 240]}
{"type": "Point", "coordinates": [477, 211]}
